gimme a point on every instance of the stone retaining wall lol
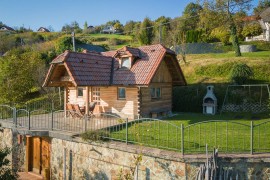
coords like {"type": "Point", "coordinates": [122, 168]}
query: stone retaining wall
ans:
{"type": "Point", "coordinates": [110, 160]}
{"type": "Point", "coordinates": [98, 162]}
{"type": "Point", "coordinates": [8, 138]}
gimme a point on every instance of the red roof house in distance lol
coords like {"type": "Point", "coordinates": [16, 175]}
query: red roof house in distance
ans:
{"type": "Point", "coordinates": [129, 82]}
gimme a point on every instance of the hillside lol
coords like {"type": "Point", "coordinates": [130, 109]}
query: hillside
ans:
{"type": "Point", "coordinates": [215, 68]}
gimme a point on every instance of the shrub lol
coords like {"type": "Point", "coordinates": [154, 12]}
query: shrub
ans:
{"type": "Point", "coordinates": [252, 30]}
{"type": "Point", "coordinates": [222, 34]}
{"type": "Point", "coordinates": [95, 135]}
{"type": "Point", "coordinates": [114, 41]}
{"type": "Point", "coordinates": [240, 73]}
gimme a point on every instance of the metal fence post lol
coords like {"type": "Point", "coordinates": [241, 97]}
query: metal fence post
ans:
{"type": "Point", "coordinates": [182, 139]}
{"type": "Point", "coordinates": [251, 137]}
{"type": "Point", "coordinates": [29, 118]}
{"type": "Point", "coordinates": [52, 120]}
{"type": "Point", "coordinates": [85, 122]}
{"type": "Point", "coordinates": [15, 116]}
{"type": "Point", "coordinates": [127, 131]}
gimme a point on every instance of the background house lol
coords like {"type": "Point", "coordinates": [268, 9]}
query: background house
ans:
{"type": "Point", "coordinates": [129, 82]}
{"type": "Point", "coordinates": [6, 28]}
{"type": "Point", "coordinates": [43, 29]}
{"type": "Point", "coordinates": [109, 30]}
{"type": "Point", "coordinates": [264, 20]}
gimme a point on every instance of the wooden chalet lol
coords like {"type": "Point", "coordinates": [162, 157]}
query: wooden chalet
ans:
{"type": "Point", "coordinates": [129, 82]}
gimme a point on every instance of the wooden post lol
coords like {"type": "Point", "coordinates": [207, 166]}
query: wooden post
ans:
{"type": "Point", "coordinates": [87, 101]}
{"type": "Point", "coordinates": [28, 147]}
{"type": "Point", "coordinates": [65, 100]}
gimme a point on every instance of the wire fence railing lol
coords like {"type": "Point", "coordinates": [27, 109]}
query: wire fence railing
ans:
{"type": "Point", "coordinates": [227, 136]}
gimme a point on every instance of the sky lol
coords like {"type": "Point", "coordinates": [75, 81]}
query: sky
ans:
{"type": "Point", "coordinates": [56, 13]}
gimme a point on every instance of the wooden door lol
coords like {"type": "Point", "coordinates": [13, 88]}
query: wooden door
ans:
{"type": "Point", "coordinates": [38, 156]}
{"type": "Point", "coordinates": [45, 157]}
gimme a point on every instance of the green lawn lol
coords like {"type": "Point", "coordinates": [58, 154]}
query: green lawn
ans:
{"type": "Point", "coordinates": [258, 54]}
{"type": "Point", "coordinates": [108, 36]}
{"type": "Point", "coordinates": [233, 134]}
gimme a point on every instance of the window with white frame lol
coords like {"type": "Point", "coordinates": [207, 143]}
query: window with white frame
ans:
{"type": "Point", "coordinates": [156, 93]}
{"type": "Point", "coordinates": [96, 95]}
{"type": "Point", "coordinates": [121, 93]}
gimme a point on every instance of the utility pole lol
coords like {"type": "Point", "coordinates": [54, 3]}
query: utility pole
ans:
{"type": "Point", "coordinates": [160, 33]}
{"type": "Point", "coordinates": [73, 40]}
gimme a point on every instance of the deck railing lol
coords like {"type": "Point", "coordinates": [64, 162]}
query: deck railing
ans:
{"type": "Point", "coordinates": [228, 136]}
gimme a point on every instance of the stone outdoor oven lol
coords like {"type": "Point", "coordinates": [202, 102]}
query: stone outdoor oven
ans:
{"type": "Point", "coordinates": [210, 101]}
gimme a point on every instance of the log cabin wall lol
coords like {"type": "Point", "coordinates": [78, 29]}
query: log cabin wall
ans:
{"type": "Point", "coordinates": [109, 101]}
{"type": "Point", "coordinates": [163, 80]}
{"type": "Point", "coordinates": [73, 97]}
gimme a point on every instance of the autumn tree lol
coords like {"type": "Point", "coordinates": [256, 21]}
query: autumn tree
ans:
{"type": "Point", "coordinates": [252, 29]}
{"type": "Point", "coordinates": [263, 4]}
{"type": "Point", "coordinates": [223, 15]}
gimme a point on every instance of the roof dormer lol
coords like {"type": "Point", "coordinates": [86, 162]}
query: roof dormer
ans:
{"type": "Point", "coordinates": [127, 56]}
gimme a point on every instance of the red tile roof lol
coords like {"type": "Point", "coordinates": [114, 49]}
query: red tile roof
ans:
{"type": "Point", "coordinates": [90, 69]}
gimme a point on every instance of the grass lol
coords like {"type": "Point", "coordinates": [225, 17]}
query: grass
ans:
{"type": "Point", "coordinates": [231, 135]}
{"type": "Point", "coordinates": [114, 41]}
{"type": "Point", "coordinates": [215, 68]}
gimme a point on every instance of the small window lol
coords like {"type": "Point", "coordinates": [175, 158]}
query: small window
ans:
{"type": "Point", "coordinates": [80, 92]}
{"type": "Point", "coordinates": [121, 93]}
{"type": "Point", "coordinates": [126, 62]}
{"type": "Point", "coordinates": [155, 93]}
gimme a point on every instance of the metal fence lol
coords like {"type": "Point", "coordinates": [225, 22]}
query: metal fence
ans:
{"type": "Point", "coordinates": [228, 136]}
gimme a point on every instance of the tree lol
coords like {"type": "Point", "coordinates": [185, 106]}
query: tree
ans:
{"type": "Point", "coordinates": [118, 26]}
{"type": "Point", "coordinates": [225, 9]}
{"type": "Point", "coordinates": [221, 34]}
{"type": "Point", "coordinates": [67, 28]}
{"type": "Point", "coordinates": [129, 27]}
{"type": "Point", "coordinates": [65, 43]}
{"type": "Point", "coordinates": [73, 26]}
{"type": "Point", "coordinates": [191, 16]}
{"type": "Point", "coordinates": [50, 28]}
{"type": "Point", "coordinates": [263, 4]}
{"type": "Point", "coordinates": [252, 29]}
{"type": "Point", "coordinates": [6, 172]}
{"type": "Point", "coordinates": [146, 32]}
{"type": "Point", "coordinates": [161, 29]}
{"type": "Point", "coordinates": [85, 26]}
{"type": "Point", "coordinates": [19, 73]}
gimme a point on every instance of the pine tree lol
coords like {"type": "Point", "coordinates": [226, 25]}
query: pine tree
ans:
{"type": "Point", "coordinates": [85, 26]}
{"type": "Point", "coordinates": [146, 32]}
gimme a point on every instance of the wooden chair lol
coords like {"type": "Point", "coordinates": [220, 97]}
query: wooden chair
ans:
{"type": "Point", "coordinates": [70, 110]}
{"type": "Point", "coordinates": [78, 111]}
{"type": "Point", "coordinates": [92, 106]}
